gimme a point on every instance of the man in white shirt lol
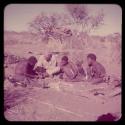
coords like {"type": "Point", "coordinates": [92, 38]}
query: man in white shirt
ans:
{"type": "Point", "coordinates": [49, 62]}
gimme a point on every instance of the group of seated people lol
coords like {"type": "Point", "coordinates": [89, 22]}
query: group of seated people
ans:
{"type": "Point", "coordinates": [47, 66]}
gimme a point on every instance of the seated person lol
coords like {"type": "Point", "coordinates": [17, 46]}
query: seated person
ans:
{"type": "Point", "coordinates": [30, 72]}
{"type": "Point", "coordinates": [24, 70]}
{"type": "Point", "coordinates": [49, 63]}
{"type": "Point", "coordinates": [68, 69]}
{"type": "Point", "coordinates": [95, 71]}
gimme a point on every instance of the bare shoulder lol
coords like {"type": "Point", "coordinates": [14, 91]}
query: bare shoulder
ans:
{"type": "Point", "coordinates": [99, 65]}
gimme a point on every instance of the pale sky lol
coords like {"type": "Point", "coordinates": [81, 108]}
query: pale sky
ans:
{"type": "Point", "coordinates": [17, 16]}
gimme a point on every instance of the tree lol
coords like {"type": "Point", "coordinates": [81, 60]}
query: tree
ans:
{"type": "Point", "coordinates": [81, 16]}
{"type": "Point", "coordinates": [77, 11]}
{"type": "Point", "coordinates": [51, 26]}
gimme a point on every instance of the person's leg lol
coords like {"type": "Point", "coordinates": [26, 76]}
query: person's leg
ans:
{"type": "Point", "coordinates": [17, 80]}
{"type": "Point", "coordinates": [97, 80]}
{"type": "Point", "coordinates": [79, 78]}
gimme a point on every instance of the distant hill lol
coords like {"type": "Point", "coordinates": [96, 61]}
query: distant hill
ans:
{"type": "Point", "coordinates": [11, 37]}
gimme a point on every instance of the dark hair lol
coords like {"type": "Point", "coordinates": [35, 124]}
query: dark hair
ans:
{"type": "Point", "coordinates": [92, 56]}
{"type": "Point", "coordinates": [65, 58]}
{"type": "Point", "coordinates": [32, 60]}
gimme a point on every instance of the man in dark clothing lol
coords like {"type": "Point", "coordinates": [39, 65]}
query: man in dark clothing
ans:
{"type": "Point", "coordinates": [30, 66]}
{"type": "Point", "coordinates": [95, 70]}
{"type": "Point", "coordinates": [24, 71]}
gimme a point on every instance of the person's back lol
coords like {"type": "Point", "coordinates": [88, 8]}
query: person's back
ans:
{"type": "Point", "coordinates": [20, 70]}
{"type": "Point", "coordinates": [21, 67]}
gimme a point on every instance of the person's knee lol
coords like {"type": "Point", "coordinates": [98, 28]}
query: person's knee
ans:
{"type": "Point", "coordinates": [97, 80]}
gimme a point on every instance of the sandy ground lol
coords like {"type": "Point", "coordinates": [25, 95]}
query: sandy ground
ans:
{"type": "Point", "coordinates": [53, 105]}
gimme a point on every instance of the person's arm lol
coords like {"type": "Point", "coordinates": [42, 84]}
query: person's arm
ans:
{"type": "Point", "coordinates": [39, 62]}
{"type": "Point", "coordinates": [82, 71]}
{"type": "Point", "coordinates": [88, 73]}
{"type": "Point", "coordinates": [75, 70]}
{"type": "Point", "coordinates": [95, 79]}
{"type": "Point", "coordinates": [101, 71]}
{"type": "Point", "coordinates": [53, 61]}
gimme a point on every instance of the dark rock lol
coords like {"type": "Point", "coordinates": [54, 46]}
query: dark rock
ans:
{"type": "Point", "coordinates": [106, 117]}
{"type": "Point", "coordinates": [30, 52]}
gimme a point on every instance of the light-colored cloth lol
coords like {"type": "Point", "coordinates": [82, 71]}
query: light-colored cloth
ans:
{"type": "Point", "coordinates": [43, 63]}
{"type": "Point", "coordinates": [49, 66]}
{"type": "Point", "coordinates": [52, 70]}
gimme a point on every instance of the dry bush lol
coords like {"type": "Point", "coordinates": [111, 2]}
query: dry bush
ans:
{"type": "Point", "coordinates": [13, 97]}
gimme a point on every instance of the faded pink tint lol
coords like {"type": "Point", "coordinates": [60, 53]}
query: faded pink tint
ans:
{"type": "Point", "coordinates": [39, 29]}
